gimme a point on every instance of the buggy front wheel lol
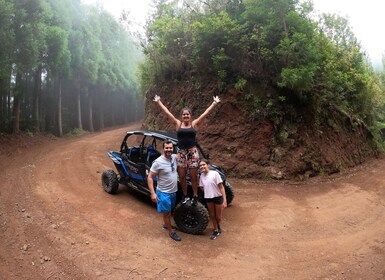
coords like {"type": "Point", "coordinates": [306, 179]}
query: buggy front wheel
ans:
{"type": "Point", "coordinates": [191, 219]}
{"type": "Point", "coordinates": [229, 190]}
{"type": "Point", "coordinates": [110, 181]}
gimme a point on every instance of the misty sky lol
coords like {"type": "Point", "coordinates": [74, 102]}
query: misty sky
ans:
{"type": "Point", "coordinates": [366, 19]}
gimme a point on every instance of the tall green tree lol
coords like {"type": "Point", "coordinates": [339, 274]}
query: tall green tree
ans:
{"type": "Point", "coordinates": [30, 28]}
{"type": "Point", "coordinates": [7, 36]}
{"type": "Point", "coordinates": [77, 48]}
{"type": "Point", "coordinates": [58, 55]}
{"type": "Point", "coordinates": [91, 58]}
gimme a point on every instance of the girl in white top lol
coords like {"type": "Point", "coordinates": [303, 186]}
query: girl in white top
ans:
{"type": "Point", "coordinates": [215, 195]}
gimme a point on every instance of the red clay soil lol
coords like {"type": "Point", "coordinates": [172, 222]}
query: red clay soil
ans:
{"type": "Point", "coordinates": [56, 222]}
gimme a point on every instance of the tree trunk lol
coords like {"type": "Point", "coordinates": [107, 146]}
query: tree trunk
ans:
{"type": "Point", "coordinates": [16, 114]}
{"type": "Point", "coordinates": [9, 107]}
{"type": "Point", "coordinates": [16, 104]}
{"type": "Point", "coordinates": [3, 102]}
{"type": "Point", "coordinates": [5, 93]}
{"type": "Point", "coordinates": [90, 117]}
{"type": "Point", "coordinates": [79, 110]}
{"type": "Point", "coordinates": [101, 116]}
{"type": "Point", "coordinates": [126, 112]}
{"type": "Point", "coordinates": [35, 101]}
{"type": "Point", "coordinates": [284, 26]}
{"type": "Point", "coordinates": [59, 115]}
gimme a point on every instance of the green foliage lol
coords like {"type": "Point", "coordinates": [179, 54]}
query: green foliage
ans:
{"type": "Point", "coordinates": [181, 103]}
{"type": "Point", "coordinates": [59, 56]}
{"type": "Point", "coordinates": [220, 61]}
{"type": "Point", "coordinates": [282, 98]}
{"type": "Point", "coordinates": [216, 42]}
{"type": "Point", "coordinates": [255, 104]}
{"type": "Point", "coordinates": [240, 84]}
{"type": "Point", "coordinates": [76, 132]}
{"type": "Point", "coordinates": [7, 37]}
{"type": "Point", "coordinates": [378, 131]}
{"type": "Point", "coordinates": [298, 79]}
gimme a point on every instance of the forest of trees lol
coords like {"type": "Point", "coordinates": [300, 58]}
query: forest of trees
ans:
{"type": "Point", "coordinates": [288, 62]}
{"type": "Point", "coordinates": [65, 66]}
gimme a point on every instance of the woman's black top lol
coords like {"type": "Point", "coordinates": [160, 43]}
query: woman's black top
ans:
{"type": "Point", "coordinates": [186, 137]}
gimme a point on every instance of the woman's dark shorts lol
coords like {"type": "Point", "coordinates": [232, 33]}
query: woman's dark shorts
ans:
{"type": "Point", "coordinates": [215, 200]}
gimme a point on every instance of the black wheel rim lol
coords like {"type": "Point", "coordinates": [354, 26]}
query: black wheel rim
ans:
{"type": "Point", "coordinates": [190, 220]}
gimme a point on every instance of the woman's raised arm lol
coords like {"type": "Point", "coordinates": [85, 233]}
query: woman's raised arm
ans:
{"type": "Point", "coordinates": [197, 121]}
{"type": "Point", "coordinates": [166, 111]}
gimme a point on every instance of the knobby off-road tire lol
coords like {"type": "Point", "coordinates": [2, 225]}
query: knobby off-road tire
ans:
{"type": "Point", "coordinates": [191, 219]}
{"type": "Point", "coordinates": [229, 190]}
{"type": "Point", "coordinates": [110, 181]}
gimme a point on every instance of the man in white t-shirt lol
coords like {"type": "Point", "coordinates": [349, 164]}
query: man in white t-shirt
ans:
{"type": "Point", "coordinates": [214, 194]}
{"type": "Point", "coordinates": [164, 167]}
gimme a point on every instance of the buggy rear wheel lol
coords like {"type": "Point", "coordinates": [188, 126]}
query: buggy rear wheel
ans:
{"type": "Point", "coordinates": [229, 190]}
{"type": "Point", "coordinates": [191, 219]}
{"type": "Point", "coordinates": [110, 181]}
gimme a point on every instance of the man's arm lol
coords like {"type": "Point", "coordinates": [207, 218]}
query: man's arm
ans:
{"type": "Point", "coordinates": [150, 182]}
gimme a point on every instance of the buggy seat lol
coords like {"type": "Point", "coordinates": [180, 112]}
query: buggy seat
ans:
{"type": "Point", "coordinates": [152, 155]}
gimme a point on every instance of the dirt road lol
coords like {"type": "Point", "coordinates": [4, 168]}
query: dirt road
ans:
{"type": "Point", "coordinates": [56, 222]}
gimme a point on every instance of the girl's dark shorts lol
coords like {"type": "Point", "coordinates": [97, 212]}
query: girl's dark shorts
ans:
{"type": "Point", "coordinates": [215, 200]}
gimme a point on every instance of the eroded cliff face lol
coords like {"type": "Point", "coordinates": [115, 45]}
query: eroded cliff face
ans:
{"type": "Point", "coordinates": [247, 147]}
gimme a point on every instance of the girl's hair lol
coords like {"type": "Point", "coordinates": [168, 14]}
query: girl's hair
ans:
{"type": "Point", "coordinates": [204, 160]}
{"type": "Point", "coordinates": [186, 109]}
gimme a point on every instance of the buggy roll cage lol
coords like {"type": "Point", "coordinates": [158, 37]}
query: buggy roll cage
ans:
{"type": "Point", "coordinates": [159, 135]}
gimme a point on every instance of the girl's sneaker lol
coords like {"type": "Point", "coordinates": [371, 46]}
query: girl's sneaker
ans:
{"type": "Point", "coordinates": [214, 234]}
{"type": "Point", "coordinates": [185, 199]}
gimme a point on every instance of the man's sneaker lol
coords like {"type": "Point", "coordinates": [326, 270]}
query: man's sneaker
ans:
{"type": "Point", "coordinates": [194, 201]}
{"type": "Point", "coordinates": [219, 228]}
{"type": "Point", "coordinates": [185, 199]}
{"type": "Point", "coordinates": [214, 234]}
{"type": "Point", "coordinates": [164, 227]}
{"type": "Point", "coordinates": [175, 236]}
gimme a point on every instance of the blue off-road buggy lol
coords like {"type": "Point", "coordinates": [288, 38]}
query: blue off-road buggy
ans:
{"type": "Point", "coordinates": [137, 152]}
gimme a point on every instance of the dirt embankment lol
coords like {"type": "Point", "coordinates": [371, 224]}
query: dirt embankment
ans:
{"type": "Point", "coordinates": [259, 148]}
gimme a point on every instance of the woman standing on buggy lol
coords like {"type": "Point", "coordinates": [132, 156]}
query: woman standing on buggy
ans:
{"type": "Point", "coordinates": [188, 155]}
